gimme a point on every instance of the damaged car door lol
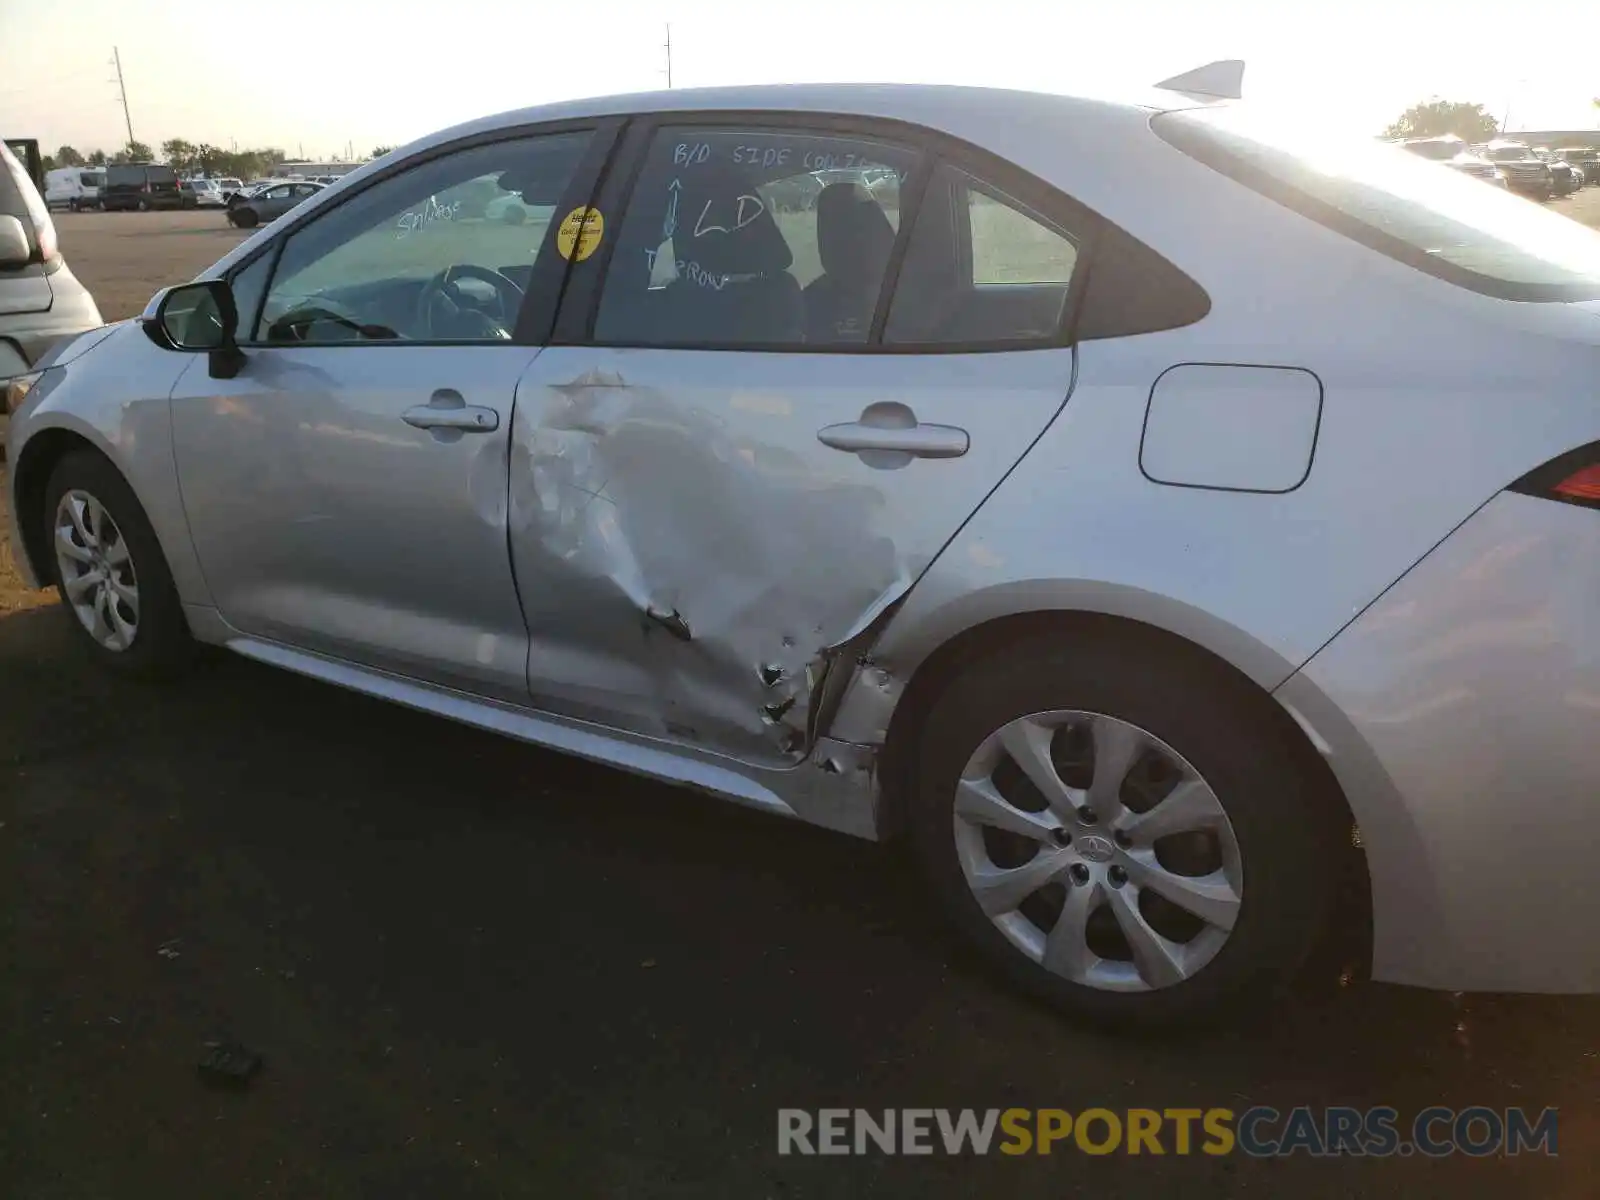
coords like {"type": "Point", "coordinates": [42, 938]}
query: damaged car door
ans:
{"type": "Point", "coordinates": [791, 366]}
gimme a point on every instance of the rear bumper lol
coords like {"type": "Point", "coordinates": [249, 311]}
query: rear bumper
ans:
{"type": "Point", "coordinates": [1461, 715]}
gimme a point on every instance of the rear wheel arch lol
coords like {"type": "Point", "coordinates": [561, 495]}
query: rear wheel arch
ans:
{"type": "Point", "coordinates": [898, 758]}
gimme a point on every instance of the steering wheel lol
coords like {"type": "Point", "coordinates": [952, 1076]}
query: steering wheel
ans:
{"type": "Point", "coordinates": [444, 312]}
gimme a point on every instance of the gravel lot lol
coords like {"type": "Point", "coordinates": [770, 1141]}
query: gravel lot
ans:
{"type": "Point", "coordinates": [477, 969]}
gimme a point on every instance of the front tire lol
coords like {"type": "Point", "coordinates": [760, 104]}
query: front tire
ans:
{"type": "Point", "coordinates": [246, 218]}
{"type": "Point", "coordinates": [111, 575]}
{"type": "Point", "coordinates": [1122, 829]}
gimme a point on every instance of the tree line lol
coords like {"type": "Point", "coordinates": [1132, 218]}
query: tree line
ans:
{"type": "Point", "coordinates": [184, 157]}
{"type": "Point", "coordinates": [1434, 118]}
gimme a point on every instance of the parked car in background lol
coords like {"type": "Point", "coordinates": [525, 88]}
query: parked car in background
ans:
{"type": "Point", "coordinates": [1524, 170]}
{"type": "Point", "coordinates": [1454, 153]}
{"type": "Point", "coordinates": [74, 187]}
{"type": "Point", "coordinates": [208, 193]}
{"type": "Point", "coordinates": [1564, 177]}
{"type": "Point", "coordinates": [1585, 158]}
{"type": "Point", "coordinates": [41, 301]}
{"type": "Point", "coordinates": [253, 187]}
{"type": "Point", "coordinates": [270, 203]}
{"type": "Point", "coordinates": [230, 187]}
{"type": "Point", "coordinates": [187, 196]}
{"type": "Point", "coordinates": [141, 187]}
{"type": "Point", "coordinates": [898, 517]}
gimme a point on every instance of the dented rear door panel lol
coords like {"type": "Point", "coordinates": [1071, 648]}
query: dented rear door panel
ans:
{"type": "Point", "coordinates": [690, 556]}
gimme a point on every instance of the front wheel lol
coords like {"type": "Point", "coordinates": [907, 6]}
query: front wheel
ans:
{"type": "Point", "coordinates": [245, 218]}
{"type": "Point", "coordinates": [110, 572]}
{"type": "Point", "coordinates": [1120, 827]}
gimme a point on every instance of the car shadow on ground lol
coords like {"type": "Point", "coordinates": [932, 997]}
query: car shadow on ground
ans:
{"type": "Point", "coordinates": [475, 967]}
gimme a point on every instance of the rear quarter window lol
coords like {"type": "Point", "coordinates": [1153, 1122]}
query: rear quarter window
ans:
{"type": "Point", "coordinates": [1440, 222]}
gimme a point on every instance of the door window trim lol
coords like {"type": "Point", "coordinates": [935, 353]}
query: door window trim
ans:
{"type": "Point", "coordinates": [537, 316]}
{"type": "Point", "coordinates": [581, 301]}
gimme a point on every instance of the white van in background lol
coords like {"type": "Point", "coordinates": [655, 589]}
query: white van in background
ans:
{"type": "Point", "coordinates": [74, 187]}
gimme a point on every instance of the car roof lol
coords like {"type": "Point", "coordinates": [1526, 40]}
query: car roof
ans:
{"type": "Point", "coordinates": [934, 105]}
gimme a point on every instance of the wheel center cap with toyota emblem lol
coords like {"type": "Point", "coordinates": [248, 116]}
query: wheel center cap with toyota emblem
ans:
{"type": "Point", "coordinates": [1094, 848]}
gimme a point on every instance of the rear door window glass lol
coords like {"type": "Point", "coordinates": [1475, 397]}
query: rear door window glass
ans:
{"type": "Point", "coordinates": [768, 236]}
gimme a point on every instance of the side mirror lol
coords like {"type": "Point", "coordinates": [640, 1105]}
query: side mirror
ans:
{"type": "Point", "coordinates": [14, 249]}
{"type": "Point", "coordinates": [198, 317]}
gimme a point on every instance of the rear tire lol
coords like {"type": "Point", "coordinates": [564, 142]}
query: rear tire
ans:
{"type": "Point", "coordinates": [1265, 846]}
{"type": "Point", "coordinates": [97, 531]}
{"type": "Point", "coordinates": [246, 218]}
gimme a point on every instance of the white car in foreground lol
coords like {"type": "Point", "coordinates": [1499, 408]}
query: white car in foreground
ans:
{"type": "Point", "coordinates": [1126, 499]}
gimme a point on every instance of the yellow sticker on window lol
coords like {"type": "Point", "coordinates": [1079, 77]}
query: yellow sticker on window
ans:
{"type": "Point", "coordinates": [580, 233]}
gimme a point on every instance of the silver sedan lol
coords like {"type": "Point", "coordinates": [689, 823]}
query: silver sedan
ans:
{"type": "Point", "coordinates": [1162, 519]}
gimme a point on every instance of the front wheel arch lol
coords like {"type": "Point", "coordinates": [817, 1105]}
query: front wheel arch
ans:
{"type": "Point", "coordinates": [32, 471]}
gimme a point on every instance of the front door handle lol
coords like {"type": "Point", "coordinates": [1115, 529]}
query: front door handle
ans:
{"type": "Point", "coordinates": [446, 410]}
{"type": "Point", "coordinates": [889, 434]}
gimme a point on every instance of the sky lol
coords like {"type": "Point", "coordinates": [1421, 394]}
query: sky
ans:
{"type": "Point", "coordinates": [317, 76]}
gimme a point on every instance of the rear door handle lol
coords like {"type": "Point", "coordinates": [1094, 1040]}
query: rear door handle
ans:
{"type": "Point", "coordinates": [446, 409]}
{"type": "Point", "coordinates": [893, 429]}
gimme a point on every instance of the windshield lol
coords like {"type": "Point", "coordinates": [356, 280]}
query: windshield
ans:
{"type": "Point", "coordinates": [1441, 222]}
{"type": "Point", "coordinates": [1508, 153]}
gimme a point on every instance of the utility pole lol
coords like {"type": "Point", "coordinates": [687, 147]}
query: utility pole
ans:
{"type": "Point", "coordinates": [669, 55]}
{"type": "Point", "coordinates": [116, 61]}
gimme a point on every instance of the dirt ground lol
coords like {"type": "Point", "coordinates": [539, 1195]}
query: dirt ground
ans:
{"type": "Point", "coordinates": [474, 968]}
{"type": "Point", "coordinates": [123, 257]}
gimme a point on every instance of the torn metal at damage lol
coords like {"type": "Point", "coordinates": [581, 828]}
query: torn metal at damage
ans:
{"type": "Point", "coordinates": [867, 703]}
{"type": "Point", "coordinates": [650, 514]}
{"type": "Point", "coordinates": [838, 789]}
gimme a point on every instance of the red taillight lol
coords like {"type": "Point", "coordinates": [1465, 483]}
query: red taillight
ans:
{"type": "Point", "coordinates": [1571, 478]}
{"type": "Point", "coordinates": [1582, 484]}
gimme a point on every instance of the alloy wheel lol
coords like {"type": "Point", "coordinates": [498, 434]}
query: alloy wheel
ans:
{"type": "Point", "coordinates": [1097, 850]}
{"type": "Point", "coordinates": [96, 570]}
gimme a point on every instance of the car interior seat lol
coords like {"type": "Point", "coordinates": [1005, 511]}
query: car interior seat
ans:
{"type": "Point", "coordinates": [854, 240]}
{"type": "Point", "coordinates": [733, 282]}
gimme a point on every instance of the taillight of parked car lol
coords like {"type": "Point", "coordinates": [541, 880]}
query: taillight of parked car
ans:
{"type": "Point", "coordinates": [1573, 478]}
